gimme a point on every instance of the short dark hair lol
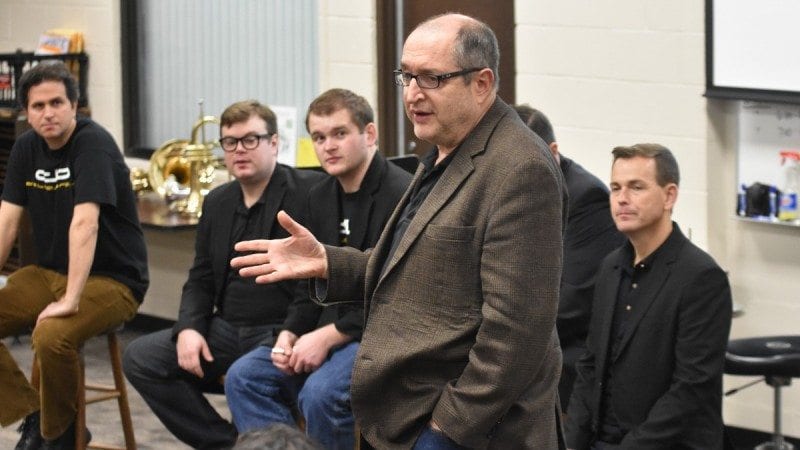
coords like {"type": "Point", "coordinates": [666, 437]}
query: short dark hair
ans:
{"type": "Point", "coordinates": [276, 436]}
{"type": "Point", "coordinates": [243, 110]}
{"type": "Point", "coordinates": [666, 166]}
{"type": "Point", "coordinates": [476, 46]}
{"type": "Point", "coordinates": [335, 99]}
{"type": "Point", "coordinates": [47, 71]}
{"type": "Point", "coordinates": [536, 121]}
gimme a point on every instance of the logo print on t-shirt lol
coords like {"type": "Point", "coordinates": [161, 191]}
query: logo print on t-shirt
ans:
{"type": "Point", "coordinates": [344, 231]}
{"type": "Point", "coordinates": [44, 176]}
{"type": "Point", "coordinates": [50, 181]}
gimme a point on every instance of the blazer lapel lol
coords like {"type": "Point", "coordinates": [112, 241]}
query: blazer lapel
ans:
{"type": "Point", "coordinates": [606, 319]}
{"type": "Point", "coordinates": [273, 196]}
{"type": "Point", "coordinates": [222, 220]}
{"type": "Point", "coordinates": [378, 255]}
{"type": "Point", "coordinates": [325, 211]}
{"type": "Point", "coordinates": [360, 222]}
{"type": "Point", "coordinates": [455, 174]}
{"type": "Point", "coordinates": [662, 266]}
{"type": "Point", "coordinates": [369, 187]}
{"type": "Point", "coordinates": [643, 305]}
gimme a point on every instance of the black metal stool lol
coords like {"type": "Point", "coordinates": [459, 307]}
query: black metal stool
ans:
{"type": "Point", "coordinates": [777, 359]}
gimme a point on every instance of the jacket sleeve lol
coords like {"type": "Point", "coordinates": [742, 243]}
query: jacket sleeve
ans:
{"type": "Point", "coordinates": [197, 298]}
{"type": "Point", "coordinates": [704, 324]}
{"type": "Point", "coordinates": [591, 235]}
{"type": "Point", "coordinates": [302, 314]}
{"type": "Point", "coordinates": [347, 269]}
{"type": "Point", "coordinates": [351, 320]}
{"type": "Point", "coordinates": [578, 427]}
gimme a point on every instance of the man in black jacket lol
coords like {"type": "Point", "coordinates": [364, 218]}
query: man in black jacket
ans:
{"type": "Point", "coordinates": [222, 315]}
{"type": "Point", "coordinates": [651, 377]}
{"type": "Point", "coordinates": [589, 237]}
{"type": "Point", "coordinates": [350, 208]}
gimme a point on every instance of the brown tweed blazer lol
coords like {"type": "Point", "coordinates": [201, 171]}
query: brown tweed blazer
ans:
{"type": "Point", "coordinates": [461, 327]}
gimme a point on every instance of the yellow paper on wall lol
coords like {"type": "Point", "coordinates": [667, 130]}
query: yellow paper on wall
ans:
{"type": "Point", "coordinates": [306, 157]}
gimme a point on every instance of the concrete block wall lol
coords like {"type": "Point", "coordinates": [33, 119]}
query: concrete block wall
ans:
{"type": "Point", "coordinates": [347, 48]}
{"type": "Point", "coordinates": [619, 72]}
{"type": "Point", "coordinates": [23, 21]}
{"type": "Point", "coordinates": [613, 73]}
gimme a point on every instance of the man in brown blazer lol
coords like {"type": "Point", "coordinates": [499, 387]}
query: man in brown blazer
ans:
{"type": "Point", "coordinates": [461, 291]}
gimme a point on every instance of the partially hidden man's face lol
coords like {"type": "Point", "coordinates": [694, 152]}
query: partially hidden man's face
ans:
{"type": "Point", "coordinates": [50, 113]}
{"type": "Point", "coordinates": [340, 147]}
{"type": "Point", "coordinates": [638, 202]}
{"type": "Point", "coordinates": [256, 165]}
{"type": "Point", "coordinates": [445, 115]}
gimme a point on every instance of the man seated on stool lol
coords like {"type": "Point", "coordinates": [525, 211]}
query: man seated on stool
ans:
{"type": "Point", "coordinates": [589, 237]}
{"type": "Point", "coordinates": [222, 315]}
{"type": "Point", "coordinates": [91, 270]}
{"type": "Point", "coordinates": [651, 377]}
{"type": "Point", "coordinates": [348, 209]}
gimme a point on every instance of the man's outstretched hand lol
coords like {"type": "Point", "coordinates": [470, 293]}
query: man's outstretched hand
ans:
{"type": "Point", "coordinates": [298, 256]}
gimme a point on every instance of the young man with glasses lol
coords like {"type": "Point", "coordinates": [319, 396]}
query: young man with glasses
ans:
{"type": "Point", "coordinates": [461, 292]}
{"type": "Point", "coordinates": [351, 207]}
{"type": "Point", "coordinates": [222, 315]}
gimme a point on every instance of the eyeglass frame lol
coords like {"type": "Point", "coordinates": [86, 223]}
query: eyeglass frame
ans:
{"type": "Point", "coordinates": [400, 75]}
{"type": "Point", "coordinates": [258, 137]}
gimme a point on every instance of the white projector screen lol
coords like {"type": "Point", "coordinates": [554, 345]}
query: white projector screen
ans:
{"type": "Point", "coordinates": [753, 50]}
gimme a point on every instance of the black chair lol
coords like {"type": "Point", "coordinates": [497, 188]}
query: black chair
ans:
{"type": "Point", "coordinates": [777, 359]}
{"type": "Point", "coordinates": [408, 163]}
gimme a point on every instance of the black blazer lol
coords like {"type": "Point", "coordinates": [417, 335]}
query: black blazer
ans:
{"type": "Point", "coordinates": [202, 292]}
{"type": "Point", "coordinates": [590, 236]}
{"type": "Point", "coordinates": [667, 376]}
{"type": "Point", "coordinates": [380, 191]}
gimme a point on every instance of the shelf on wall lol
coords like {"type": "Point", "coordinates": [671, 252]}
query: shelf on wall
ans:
{"type": "Point", "coordinates": [765, 221]}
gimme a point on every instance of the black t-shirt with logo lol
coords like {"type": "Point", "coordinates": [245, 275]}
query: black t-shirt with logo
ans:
{"type": "Point", "coordinates": [348, 204]}
{"type": "Point", "coordinates": [89, 168]}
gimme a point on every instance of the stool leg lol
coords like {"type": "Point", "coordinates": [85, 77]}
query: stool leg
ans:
{"type": "Point", "coordinates": [778, 442]}
{"type": "Point", "coordinates": [778, 436]}
{"type": "Point", "coordinates": [122, 400]}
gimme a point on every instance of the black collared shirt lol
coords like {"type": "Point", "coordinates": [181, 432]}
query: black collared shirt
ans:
{"type": "Point", "coordinates": [633, 277]}
{"type": "Point", "coordinates": [242, 299]}
{"type": "Point", "coordinates": [431, 174]}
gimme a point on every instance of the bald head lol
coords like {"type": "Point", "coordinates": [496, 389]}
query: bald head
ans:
{"type": "Point", "coordinates": [474, 43]}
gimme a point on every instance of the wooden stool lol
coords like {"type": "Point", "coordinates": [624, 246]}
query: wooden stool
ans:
{"type": "Point", "coordinates": [103, 393]}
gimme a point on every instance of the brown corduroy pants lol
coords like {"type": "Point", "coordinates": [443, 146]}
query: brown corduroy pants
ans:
{"type": "Point", "coordinates": [104, 305]}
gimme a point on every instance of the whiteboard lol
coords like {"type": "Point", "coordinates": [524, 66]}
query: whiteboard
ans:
{"type": "Point", "coordinates": [753, 45]}
{"type": "Point", "coordinates": [765, 129]}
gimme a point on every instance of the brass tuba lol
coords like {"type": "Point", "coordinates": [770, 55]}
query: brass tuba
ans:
{"type": "Point", "coordinates": [182, 171]}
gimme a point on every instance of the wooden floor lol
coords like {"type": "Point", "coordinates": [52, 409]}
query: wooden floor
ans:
{"type": "Point", "coordinates": [103, 418]}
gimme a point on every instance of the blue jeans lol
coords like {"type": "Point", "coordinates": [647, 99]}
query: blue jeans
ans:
{"type": "Point", "coordinates": [259, 394]}
{"type": "Point", "coordinates": [435, 440]}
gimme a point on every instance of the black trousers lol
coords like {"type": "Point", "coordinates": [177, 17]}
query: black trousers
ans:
{"type": "Point", "coordinates": [175, 395]}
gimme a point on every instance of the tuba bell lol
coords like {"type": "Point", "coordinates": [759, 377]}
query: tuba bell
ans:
{"type": "Point", "coordinates": [182, 171]}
